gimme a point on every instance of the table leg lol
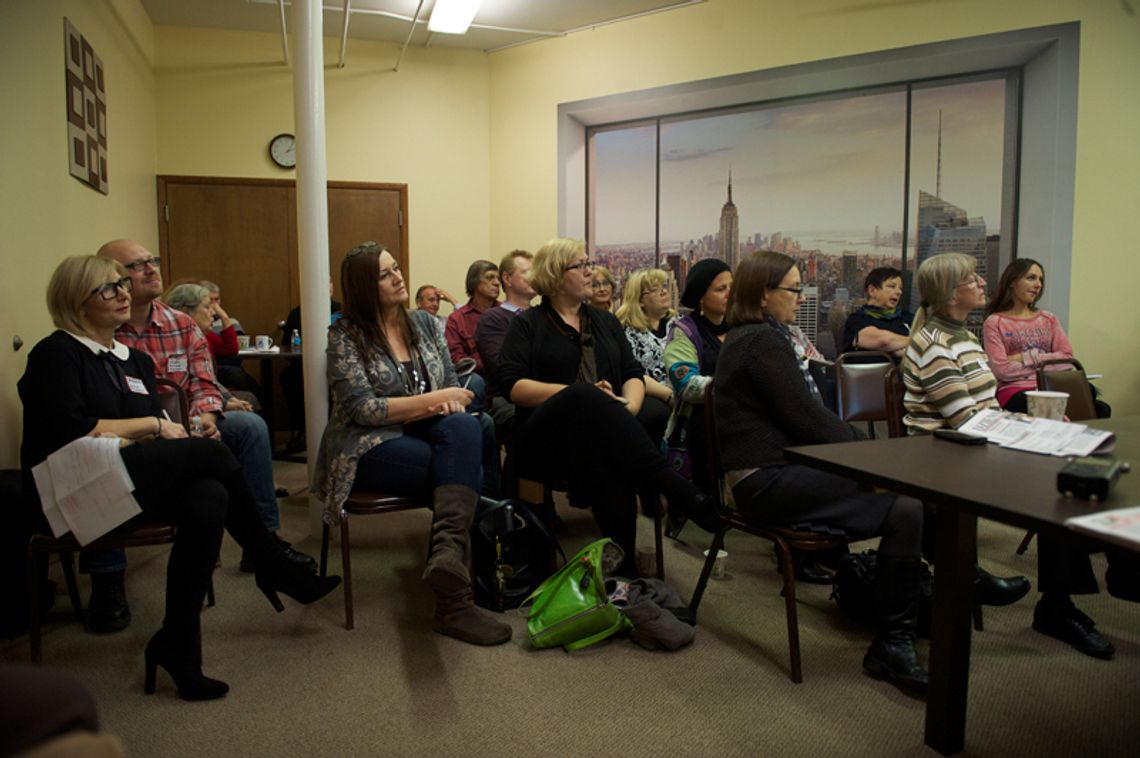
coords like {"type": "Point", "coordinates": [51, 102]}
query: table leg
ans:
{"type": "Point", "coordinates": [955, 562]}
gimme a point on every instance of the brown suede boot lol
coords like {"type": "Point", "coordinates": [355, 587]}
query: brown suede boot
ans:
{"type": "Point", "coordinates": [456, 615]}
{"type": "Point", "coordinates": [453, 507]}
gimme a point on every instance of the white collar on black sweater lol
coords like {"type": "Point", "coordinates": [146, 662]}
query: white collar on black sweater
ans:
{"type": "Point", "coordinates": [117, 349]}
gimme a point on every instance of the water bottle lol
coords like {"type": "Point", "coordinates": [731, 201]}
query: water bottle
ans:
{"type": "Point", "coordinates": [196, 427]}
{"type": "Point", "coordinates": [295, 341]}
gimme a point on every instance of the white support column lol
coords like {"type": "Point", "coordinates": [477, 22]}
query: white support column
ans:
{"type": "Point", "coordinates": [312, 222]}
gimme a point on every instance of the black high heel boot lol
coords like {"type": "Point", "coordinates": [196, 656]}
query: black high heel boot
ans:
{"type": "Point", "coordinates": [182, 659]}
{"type": "Point", "coordinates": [279, 574]}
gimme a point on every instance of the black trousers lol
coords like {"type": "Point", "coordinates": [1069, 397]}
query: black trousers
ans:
{"type": "Point", "coordinates": [196, 485]}
{"type": "Point", "coordinates": [588, 439]}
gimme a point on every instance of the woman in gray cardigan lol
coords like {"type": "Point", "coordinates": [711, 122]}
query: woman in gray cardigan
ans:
{"type": "Point", "coordinates": [398, 425]}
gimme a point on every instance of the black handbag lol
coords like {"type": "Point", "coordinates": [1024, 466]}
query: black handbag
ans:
{"type": "Point", "coordinates": [854, 590]}
{"type": "Point", "coordinates": [512, 553]}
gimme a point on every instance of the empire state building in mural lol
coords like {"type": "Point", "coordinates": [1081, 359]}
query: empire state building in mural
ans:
{"type": "Point", "coordinates": [729, 230]}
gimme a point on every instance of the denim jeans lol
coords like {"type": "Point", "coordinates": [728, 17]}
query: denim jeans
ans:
{"type": "Point", "coordinates": [247, 437]}
{"type": "Point", "coordinates": [431, 453]}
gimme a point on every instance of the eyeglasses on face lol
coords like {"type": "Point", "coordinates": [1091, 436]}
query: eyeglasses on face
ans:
{"type": "Point", "coordinates": [110, 290]}
{"type": "Point", "coordinates": [582, 265]}
{"type": "Point", "coordinates": [797, 291]}
{"type": "Point", "coordinates": [975, 279]}
{"type": "Point", "coordinates": [138, 266]}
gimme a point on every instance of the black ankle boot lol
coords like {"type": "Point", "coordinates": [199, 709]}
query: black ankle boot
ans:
{"type": "Point", "coordinates": [892, 654]}
{"type": "Point", "coordinates": [181, 656]}
{"type": "Point", "coordinates": [998, 590]}
{"type": "Point", "coordinates": [107, 610]}
{"type": "Point", "coordinates": [248, 565]}
{"type": "Point", "coordinates": [280, 574]}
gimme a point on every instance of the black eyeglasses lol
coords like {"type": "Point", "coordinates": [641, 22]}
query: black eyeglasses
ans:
{"type": "Point", "coordinates": [586, 265]}
{"type": "Point", "coordinates": [797, 291]}
{"type": "Point", "coordinates": [365, 247]}
{"type": "Point", "coordinates": [137, 266]}
{"type": "Point", "coordinates": [110, 290]}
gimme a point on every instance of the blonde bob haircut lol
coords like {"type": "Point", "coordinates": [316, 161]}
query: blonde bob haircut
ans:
{"type": "Point", "coordinates": [938, 279]}
{"type": "Point", "coordinates": [630, 313]}
{"type": "Point", "coordinates": [551, 261]}
{"type": "Point", "coordinates": [75, 279]}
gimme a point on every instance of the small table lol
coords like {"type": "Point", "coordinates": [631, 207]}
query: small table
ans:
{"type": "Point", "coordinates": [967, 482]}
{"type": "Point", "coordinates": [266, 359]}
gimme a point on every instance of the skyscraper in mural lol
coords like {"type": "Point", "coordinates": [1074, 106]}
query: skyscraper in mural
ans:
{"type": "Point", "coordinates": [807, 317]}
{"type": "Point", "coordinates": [945, 228]}
{"type": "Point", "coordinates": [729, 230]}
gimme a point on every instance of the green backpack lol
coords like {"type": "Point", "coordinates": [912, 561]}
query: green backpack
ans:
{"type": "Point", "coordinates": [571, 608]}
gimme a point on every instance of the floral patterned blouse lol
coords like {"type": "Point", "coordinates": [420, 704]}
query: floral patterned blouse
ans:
{"type": "Point", "coordinates": [649, 350]}
{"type": "Point", "coordinates": [361, 383]}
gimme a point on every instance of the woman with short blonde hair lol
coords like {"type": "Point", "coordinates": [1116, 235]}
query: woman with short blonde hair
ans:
{"type": "Point", "coordinates": [647, 314]}
{"type": "Point", "coordinates": [552, 262]}
{"type": "Point", "coordinates": [72, 284]}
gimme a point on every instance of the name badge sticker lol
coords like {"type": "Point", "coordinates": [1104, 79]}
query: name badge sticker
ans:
{"type": "Point", "coordinates": [136, 386]}
{"type": "Point", "coordinates": [176, 364]}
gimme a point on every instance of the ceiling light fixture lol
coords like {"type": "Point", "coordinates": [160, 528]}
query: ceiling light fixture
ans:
{"type": "Point", "coordinates": [453, 16]}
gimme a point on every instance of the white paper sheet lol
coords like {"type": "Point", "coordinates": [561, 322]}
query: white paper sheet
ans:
{"type": "Point", "coordinates": [88, 486]}
{"type": "Point", "coordinates": [1120, 525]}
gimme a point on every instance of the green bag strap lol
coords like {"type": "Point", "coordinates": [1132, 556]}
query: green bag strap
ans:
{"type": "Point", "coordinates": [621, 623]}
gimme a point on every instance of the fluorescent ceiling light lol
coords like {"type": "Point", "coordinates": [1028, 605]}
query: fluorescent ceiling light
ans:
{"type": "Point", "coordinates": [453, 16]}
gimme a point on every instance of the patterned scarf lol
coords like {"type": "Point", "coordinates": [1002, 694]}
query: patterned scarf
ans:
{"type": "Point", "coordinates": [801, 358]}
{"type": "Point", "coordinates": [882, 314]}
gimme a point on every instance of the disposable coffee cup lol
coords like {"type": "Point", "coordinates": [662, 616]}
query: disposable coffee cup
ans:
{"type": "Point", "coordinates": [263, 341]}
{"type": "Point", "coordinates": [1050, 405]}
{"type": "Point", "coordinates": [718, 571]}
{"type": "Point", "coordinates": [243, 342]}
{"type": "Point", "coordinates": [646, 561]}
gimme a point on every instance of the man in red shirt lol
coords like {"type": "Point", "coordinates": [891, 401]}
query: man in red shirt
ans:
{"type": "Point", "coordinates": [483, 291]}
{"type": "Point", "coordinates": [181, 354]}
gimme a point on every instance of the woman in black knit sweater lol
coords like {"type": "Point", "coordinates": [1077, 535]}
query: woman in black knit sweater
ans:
{"type": "Point", "coordinates": [766, 401]}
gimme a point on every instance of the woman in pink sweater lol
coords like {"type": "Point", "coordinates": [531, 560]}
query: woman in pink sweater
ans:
{"type": "Point", "coordinates": [1018, 336]}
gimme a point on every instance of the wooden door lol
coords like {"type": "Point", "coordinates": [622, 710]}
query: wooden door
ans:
{"type": "Point", "coordinates": [358, 213]}
{"type": "Point", "coordinates": [239, 236]}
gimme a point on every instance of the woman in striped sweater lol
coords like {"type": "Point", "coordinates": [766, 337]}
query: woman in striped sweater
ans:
{"type": "Point", "coordinates": [947, 381]}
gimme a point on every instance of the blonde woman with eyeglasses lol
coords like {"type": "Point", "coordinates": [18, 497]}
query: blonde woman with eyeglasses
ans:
{"type": "Point", "coordinates": [577, 391]}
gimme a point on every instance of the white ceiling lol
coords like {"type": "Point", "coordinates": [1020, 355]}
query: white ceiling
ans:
{"type": "Point", "coordinates": [499, 23]}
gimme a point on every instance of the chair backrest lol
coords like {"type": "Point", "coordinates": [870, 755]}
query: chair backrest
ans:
{"type": "Point", "coordinates": [859, 379]}
{"type": "Point", "coordinates": [173, 400]}
{"type": "Point", "coordinates": [1081, 405]}
{"type": "Point", "coordinates": [894, 390]}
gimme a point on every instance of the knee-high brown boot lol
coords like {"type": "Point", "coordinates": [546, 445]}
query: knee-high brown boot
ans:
{"type": "Point", "coordinates": [454, 510]}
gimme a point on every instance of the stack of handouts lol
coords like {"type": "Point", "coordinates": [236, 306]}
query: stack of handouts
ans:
{"type": "Point", "coordinates": [85, 488]}
{"type": "Point", "coordinates": [1121, 526]}
{"type": "Point", "coordinates": [1035, 435]}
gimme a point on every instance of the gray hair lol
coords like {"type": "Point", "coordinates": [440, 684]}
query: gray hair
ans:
{"type": "Point", "coordinates": [186, 297]}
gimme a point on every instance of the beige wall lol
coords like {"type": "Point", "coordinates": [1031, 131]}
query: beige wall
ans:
{"type": "Point", "coordinates": [724, 37]}
{"type": "Point", "coordinates": [223, 95]}
{"type": "Point", "coordinates": [46, 214]}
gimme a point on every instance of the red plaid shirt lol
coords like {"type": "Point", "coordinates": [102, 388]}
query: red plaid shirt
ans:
{"type": "Point", "coordinates": [180, 353]}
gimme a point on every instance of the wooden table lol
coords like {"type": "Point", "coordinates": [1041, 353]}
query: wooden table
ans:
{"type": "Point", "coordinates": [266, 358]}
{"type": "Point", "coordinates": [967, 482]}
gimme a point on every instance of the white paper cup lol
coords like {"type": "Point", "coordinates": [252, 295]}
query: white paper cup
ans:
{"type": "Point", "coordinates": [243, 342]}
{"type": "Point", "coordinates": [646, 558]}
{"type": "Point", "coordinates": [263, 341]}
{"type": "Point", "coordinates": [718, 571]}
{"type": "Point", "coordinates": [1050, 405]}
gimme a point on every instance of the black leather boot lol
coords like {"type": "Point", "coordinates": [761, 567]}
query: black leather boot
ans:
{"type": "Point", "coordinates": [279, 573]}
{"type": "Point", "coordinates": [453, 509]}
{"type": "Point", "coordinates": [892, 654]}
{"type": "Point", "coordinates": [181, 655]}
{"type": "Point", "coordinates": [248, 564]}
{"type": "Point", "coordinates": [107, 610]}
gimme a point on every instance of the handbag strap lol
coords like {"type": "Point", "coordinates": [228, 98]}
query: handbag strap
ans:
{"type": "Point", "coordinates": [594, 567]}
{"type": "Point", "coordinates": [619, 624]}
{"type": "Point", "coordinates": [526, 514]}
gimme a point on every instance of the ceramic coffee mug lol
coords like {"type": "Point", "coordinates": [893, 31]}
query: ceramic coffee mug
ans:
{"type": "Point", "coordinates": [243, 342]}
{"type": "Point", "coordinates": [263, 341]}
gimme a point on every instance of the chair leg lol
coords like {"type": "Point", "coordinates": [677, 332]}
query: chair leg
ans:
{"type": "Point", "coordinates": [657, 539]}
{"type": "Point", "coordinates": [346, 562]}
{"type": "Point", "coordinates": [72, 586]}
{"type": "Point", "coordinates": [1025, 542]}
{"type": "Point", "coordinates": [324, 549]}
{"type": "Point", "coordinates": [706, 572]}
{"type": "Point", "coordinates": [977, 614]}
{"type": "Point", "coordinates": [789, 593]}
{"type": "Point", "coordinates": [34, 608]}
